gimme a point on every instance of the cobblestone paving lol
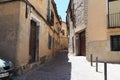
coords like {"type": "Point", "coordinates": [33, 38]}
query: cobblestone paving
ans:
{"type": "Point", "coordinates": [58, 68]}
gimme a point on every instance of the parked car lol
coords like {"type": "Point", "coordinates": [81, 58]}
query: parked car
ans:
{"type": "Point", "coordinates": [6, 69]}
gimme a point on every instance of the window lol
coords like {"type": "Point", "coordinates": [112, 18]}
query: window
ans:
{"type": "Point", "coordinates": [52, 18]}
{"type": "Point", "coordinates": [53, 42]}
{"type": "Point", "coordinates": [49, 41]}
{"type": "Point", "coordinates": [50, 14]}
{"type": "Point", "coordinates": [115, 43]}
{"type": "Point", "coordinates": [26, 12]}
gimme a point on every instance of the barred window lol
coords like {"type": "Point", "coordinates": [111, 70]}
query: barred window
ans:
{"type": "Point", "coordinates": [115, 43]}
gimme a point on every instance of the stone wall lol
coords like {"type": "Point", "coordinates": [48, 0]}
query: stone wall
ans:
{"type": "Point", "coordinates": [101, 49]}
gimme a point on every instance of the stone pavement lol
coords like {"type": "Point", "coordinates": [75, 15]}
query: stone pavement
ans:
{"type": "Point", "coordinates": [58, 68]}
{"type": "Point", "coordinates": [63, 67]}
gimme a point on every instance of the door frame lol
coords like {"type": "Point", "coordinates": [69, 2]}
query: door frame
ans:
{"type": "Point", "coordinates": [38, 22]}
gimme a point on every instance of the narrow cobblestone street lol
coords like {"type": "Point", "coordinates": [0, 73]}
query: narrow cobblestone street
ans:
{"type": "Point", "coordinates": [64, 67]}
{"type": "Point", "coordinates": [58, 68]}
{"type": "Point", "coordinates": [59, 40]}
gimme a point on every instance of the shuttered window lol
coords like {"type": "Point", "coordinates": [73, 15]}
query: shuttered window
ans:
{"type": "Point", "coordinates": [48, 11]}
{"type": "Point", "coordinates": [49, 41]}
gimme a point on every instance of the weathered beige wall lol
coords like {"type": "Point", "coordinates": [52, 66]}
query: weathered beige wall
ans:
{"type": "Point", "coordinates": [114, 8]}
{"type": "Point", "coordinates": [96, 31]}
{"type": "Point", "coordinates": [9, 26]}
{"type": "Point", "coordinates": [113, 55]}
{"type": "Point", "coordinates": [23, 39]}
{"type": "Point", "coordinates": [101, 49]}
{"type": "Point", "coordinates": [15, 31]}
{"type": "Point", "coordinates": [41, 6]}
{"type": "Point", "coordinates": [98, 34]}
{"type": "Point", "coordinates": [44, 30]}
{"type": "Point", "coordinates": [97, 20]}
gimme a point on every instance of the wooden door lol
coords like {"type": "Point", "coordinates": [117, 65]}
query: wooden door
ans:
{"type": "Point", "coordinates": [34, 42]}
{"type": "Point", "coordinates": [82, 44]}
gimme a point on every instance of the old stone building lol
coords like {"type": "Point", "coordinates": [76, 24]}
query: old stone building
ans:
{"type": "Point", "coordinates": [96, 29]}
{"type": "Point", "coordinates": [70, 26]}
{"type": "Point", "coordinates": [29, 31]}
{"type": "Point", "coordinates": [77, 31]}
{"type": "Point", "coordinates": [64, 36]}
{"type": "Point", "coordinates": [80, 14]}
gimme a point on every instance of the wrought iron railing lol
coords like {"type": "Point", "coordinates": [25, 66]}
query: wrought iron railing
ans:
{"type": "Point", "coordinates": [114, 20]}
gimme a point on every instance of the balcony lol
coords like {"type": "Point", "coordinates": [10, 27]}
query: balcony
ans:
{"type": "Point", "coordinates": [114, 20]}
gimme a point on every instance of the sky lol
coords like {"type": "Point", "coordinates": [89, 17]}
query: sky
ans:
{"type": "Point", "coordinates": [62, 6]}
